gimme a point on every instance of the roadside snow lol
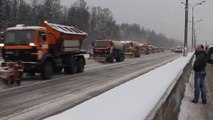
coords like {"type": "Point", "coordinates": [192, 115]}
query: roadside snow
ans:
{"type": "Point", "coordinates": [133, 100]}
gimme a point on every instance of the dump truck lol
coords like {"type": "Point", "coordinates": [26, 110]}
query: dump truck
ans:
{"type": "Point", "coordinates": [132, 48]}
{"type": "Point", "coordinates": [151, 48]}
{"type": "Point", "coordinates": [109, 49]}
{"type": "Point", "coordinates": [144, 49]}
{"type": "Point", "coordinates": [46, 49]}
{"type": "Point", "coordinates": [209, 51]}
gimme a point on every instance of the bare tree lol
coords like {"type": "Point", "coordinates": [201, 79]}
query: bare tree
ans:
{"type": "Point", "coordinates": [78, 15]}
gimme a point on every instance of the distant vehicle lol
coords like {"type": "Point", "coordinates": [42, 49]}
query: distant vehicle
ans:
{"type": "Point", "coordinates": [144, 49]}
{"type": "Point", "coordinates": [151, 49]}
{"type": "Point", "coordinates": [178, 49]}
{"type": "Point", "coordinates": [210, 54]}
{"type": "Point", "coordinates": [157, 49]}
{"type": "Point", "coordinates": [109, 49]}
{"type": "Point", "coordinates": [45, 49]}
{"type": "Point", "coordinates": [132, 48]}
{"type": "Point", "coordinates": [172, 49]}
{"type": "Point", "coordinates": [162, 49]}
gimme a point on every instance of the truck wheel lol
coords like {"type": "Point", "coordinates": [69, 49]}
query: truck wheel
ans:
{"type": "Point", "coordinates": [80, 65]}
{"type": "Point", "coordinates": [119, 58]}
{"type": "Point", "coordinates": [122, 57]}
{"type": "Point", "coordinates": [71, 67]}
{"type": "Point", "coordinates": [110, 59]}
{"type": "Point", "coordinates": [31, 74]}
{"type": "Point", "coordinates": [47, 71]}
{"type": "Point", "coordinates": [136, 54]}
{"type": "Point", "coordinates": [58, 69]}
{"type": "Point", "coordinates": [18, 82]}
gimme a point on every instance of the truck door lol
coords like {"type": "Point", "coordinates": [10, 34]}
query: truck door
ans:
{"type": "Point", "coordinates": [42, 44]}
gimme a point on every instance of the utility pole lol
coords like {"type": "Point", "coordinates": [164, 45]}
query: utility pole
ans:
{"type": "Point", "coordinates": [1, 14]}
{"type": "Point", "coordinates": [193, 32]}
{"type": "Point", "coordinates": [195, 42]}
{"type": "Point", "coordinates": [193, 23]}
{"type": "Point", "coordinates": [186, 28]}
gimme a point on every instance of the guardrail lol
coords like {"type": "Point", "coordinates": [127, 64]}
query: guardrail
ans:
{"type": "Point", "coordinates": [168, 107]}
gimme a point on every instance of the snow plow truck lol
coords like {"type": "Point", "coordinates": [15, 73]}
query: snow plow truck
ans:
{"type": "Point", "coordinates": [132, 48]}
{"type": "Point", "coordinates": [46, 49]}
{"type": "Point", "coordinates": [110, 50]}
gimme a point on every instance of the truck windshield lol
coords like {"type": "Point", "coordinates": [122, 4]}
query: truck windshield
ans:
{"type": "Point", "coordinates": [102, 43]}
{"type": "Point", "coordinates": [19, 37]}
{"type": "Point", "coordinates": [128, 45]}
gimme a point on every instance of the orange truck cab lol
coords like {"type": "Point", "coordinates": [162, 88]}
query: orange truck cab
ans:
{"type": "Point", "coordinates": [45, 49]}
{"type": "Point", "coordinates": [108, 49]}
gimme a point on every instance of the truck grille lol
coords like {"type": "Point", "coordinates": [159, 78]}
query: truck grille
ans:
{"type": "Point", "coordinates": [22, 55]}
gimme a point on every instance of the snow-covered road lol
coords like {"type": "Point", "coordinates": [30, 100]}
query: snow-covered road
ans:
{"type": "Point", "coordinates": [41, 99]}
{"type": "Point", "coordinates": [133, 100]}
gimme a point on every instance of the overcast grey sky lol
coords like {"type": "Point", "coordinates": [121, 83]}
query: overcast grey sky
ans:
{"type": "Point", "coordinates": [163, 16]}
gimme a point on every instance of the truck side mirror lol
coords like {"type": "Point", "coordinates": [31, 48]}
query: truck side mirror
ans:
{"type": "Point", "coordinates": [1, 37]}
{"type": "Point", "coordinates": [43, 36]}
{"type": "Point", "coordinates": [93, 44]}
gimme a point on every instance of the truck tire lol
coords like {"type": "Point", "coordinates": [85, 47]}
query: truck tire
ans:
{"type": "Point", "coordinates": [119, 58]}
{"type": "Point", "coordinates": [122, 57]}
{"type": "Point", "coordinates": [110, 59]}
{"type": "Point", "coordinates": [137, 54]}
{"type": "Point", "coordinates": [80, 65]}
{"type": "Point", "coordinates": [18, 82]}
{"type": "Point", "coordinates": [71, 67]}
{"type": "Point", "coordinates": [58, 69]}
{"type": "Point", "coordinates": [46, 70]}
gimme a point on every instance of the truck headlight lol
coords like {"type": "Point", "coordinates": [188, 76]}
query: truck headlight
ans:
{"type": "Point", "coordinates": [32, 44]}
{"type": "Point", "coordinates": [1, 44]}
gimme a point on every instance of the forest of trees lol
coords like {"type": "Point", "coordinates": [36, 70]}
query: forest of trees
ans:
{"type": "Point", "coordinates": [96, 21]}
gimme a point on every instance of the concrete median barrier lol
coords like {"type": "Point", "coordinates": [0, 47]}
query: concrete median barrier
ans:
{"type": "Point", "coordinates": [168, 107]}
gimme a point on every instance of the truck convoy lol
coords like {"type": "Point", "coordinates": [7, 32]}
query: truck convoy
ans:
{"type": "Point", "coordinates": [132, 48]}
{"type": "Point", "coordinates": [46, 49]}
{"type": "Point", "coordinates": [144, 49]}
{"type": "Point", "coordinates": [109, 49]}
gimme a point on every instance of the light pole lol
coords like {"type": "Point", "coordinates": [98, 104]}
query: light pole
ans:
{"type": "Point", "coordinates": [186, 28]}
{"type": "Point", "coordinates": [193, 23]}
{"type": "Point", "coordinates": [194, 32]}
{"type": "Point", "coordinates": [1, 24]}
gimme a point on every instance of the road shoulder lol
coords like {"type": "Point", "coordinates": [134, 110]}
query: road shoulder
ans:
{"type": "Point", "coordinates": [199, 111]}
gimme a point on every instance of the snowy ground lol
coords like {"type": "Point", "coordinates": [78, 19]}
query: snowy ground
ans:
{"type": "Point", "coordinates": [133, 100]}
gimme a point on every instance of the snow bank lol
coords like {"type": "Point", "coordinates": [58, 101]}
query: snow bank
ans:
{"type": "Point", "coordinates": [133, 100]}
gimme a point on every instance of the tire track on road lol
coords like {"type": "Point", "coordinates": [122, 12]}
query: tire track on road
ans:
{"type": "Point", "coordinates": [13, 100]}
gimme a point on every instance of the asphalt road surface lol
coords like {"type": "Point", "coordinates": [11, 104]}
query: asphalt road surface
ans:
{"type": "Point", "coordinates": [37, 99]}
{"type": "Point", "coordinates": [209, 84]}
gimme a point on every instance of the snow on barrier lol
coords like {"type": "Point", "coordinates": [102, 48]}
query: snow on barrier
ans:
{"type": "Point", "coordinates": [145, 97]}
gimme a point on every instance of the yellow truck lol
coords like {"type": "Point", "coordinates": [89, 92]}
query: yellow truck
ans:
{"type": "Point", "coordinates": [132, 48]}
